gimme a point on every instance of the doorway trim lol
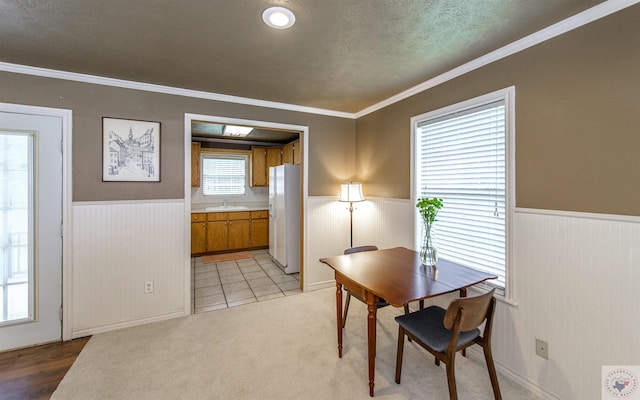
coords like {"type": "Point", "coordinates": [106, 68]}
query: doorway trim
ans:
{"type": "Point", "coordinates": [304, 132]}
{"type": "Point", "coordinates": [67, 195]}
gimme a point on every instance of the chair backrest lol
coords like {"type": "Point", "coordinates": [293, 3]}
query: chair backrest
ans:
{"type": "Point", "coordinates": [359, 249]}
{"type": "Point", "coordinates": [474, 310]}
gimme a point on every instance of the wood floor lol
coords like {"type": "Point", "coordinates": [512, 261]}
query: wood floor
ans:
{"type": "Point", "coordinates": [35, 372]}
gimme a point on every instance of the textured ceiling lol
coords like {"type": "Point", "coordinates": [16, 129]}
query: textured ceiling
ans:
{"type": "Point", "coordinates": [342, 55]}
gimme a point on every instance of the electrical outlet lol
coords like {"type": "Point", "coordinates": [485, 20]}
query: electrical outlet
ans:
{"type": "Point", "coordinates": [148, 287]}
{"type": "Point", "coordinates": [542, 349]}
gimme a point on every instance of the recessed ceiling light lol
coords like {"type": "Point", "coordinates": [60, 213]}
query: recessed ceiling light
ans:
{"type": "Point", "coordinates": [278, 17]}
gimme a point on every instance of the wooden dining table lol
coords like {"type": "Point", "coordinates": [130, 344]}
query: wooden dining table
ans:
{"type": "Point", "coordinates": [398, 276]}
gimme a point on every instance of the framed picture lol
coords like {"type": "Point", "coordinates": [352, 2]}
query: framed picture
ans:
{"type": "Point", "coordinates": [130, 150]}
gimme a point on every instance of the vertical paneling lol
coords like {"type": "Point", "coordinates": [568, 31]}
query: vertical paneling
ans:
{"type": "Point", "coordinates": [574, 277]}
{"type": "Point", "coordinates": [327, 234]}
{"type": "Point", "coordinates": [382, 222]}
{"type": "Point", "coordinates": [117, 247]}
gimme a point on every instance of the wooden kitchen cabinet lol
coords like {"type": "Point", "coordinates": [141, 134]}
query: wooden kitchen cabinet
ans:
{"type": "Point", "coordinates": [195, 164]}
{"type": "Point", "coordinates": [297, 152]}
{"type": "Point", "coordinates": [198, 233]}
{"type": "Point", "coordinates": [261, 159]}
{"type": "Point", "coordinates": [259, 170]}
{"type": "Point", "coordinates": [292, 153]}
{"type": "Point", "coordinates": [274, 158]}
{"type": "Point", "coordinates": [220, 232]}
{"type": "Point", "coordinates": [238, 230]}
{"type": "Point", "coordinates": [238, 234]}
{"type": "Point", "coordinates": [259, 229]}
{"type": "Point", "coordinates": [217, 236]}
{"type": "Point", "coordinates": [228, 231]}
{"type": "Point", "coordinates": [287, 153]}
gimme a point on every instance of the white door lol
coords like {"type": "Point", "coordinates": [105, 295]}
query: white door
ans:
{"type": "Point", "coordinates": [30, 229]}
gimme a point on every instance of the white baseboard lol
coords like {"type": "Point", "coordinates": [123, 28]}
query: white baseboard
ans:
{"type": "Point", "coordinates": [128, 324]}
{"type": "Point", "coordinates": [321, 285]}
{"type": "Point", "coordinates": [477, 354]}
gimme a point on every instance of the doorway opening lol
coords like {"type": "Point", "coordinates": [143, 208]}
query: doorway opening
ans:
{"type": "Point", "coordinates": [217, 138]}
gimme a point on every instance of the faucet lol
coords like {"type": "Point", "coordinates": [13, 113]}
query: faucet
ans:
{"type": "Point", "coordinates": [225, 203]}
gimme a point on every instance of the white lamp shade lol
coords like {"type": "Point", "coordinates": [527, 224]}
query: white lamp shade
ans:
{"type": "Point", "coordinates": [351, 192]}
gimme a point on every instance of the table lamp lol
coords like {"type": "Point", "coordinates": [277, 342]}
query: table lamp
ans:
{"type": "Point", "coordinates": [351, 192]}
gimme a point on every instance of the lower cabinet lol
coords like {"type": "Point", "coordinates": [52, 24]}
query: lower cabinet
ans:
{"type": "Point", "coordinates": [238, 234]}
{"type": "Point", "coordinates": [198, 233]}
{"type": "Point", "coordinates": [220, 232]}
{"type": "Point", "coordinates": [259, 229]}
{"type": "Point", "coordinates": [217, 235]}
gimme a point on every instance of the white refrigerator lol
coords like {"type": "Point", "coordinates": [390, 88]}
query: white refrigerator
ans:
{"type": "Point", "coordinates": [284, 216]}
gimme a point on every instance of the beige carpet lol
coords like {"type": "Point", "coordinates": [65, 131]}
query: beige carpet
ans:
{"type": "Point", "coordinates": [278, 349]}
{"type": "Point", "coordinates": [241, 255]}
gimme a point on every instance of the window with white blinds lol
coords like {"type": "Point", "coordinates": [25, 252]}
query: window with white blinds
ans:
{"type": "Point", "coordinates": [461, 157]}
{"type": "Point", "coordinates": [224, 175]}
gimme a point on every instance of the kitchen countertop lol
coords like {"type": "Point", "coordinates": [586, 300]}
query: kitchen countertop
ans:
{"type": "Point", "coordinates": [203, 208]}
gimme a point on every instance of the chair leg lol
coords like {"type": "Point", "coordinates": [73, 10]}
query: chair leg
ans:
{"type": "Point", "coordinates": [451, 379]}
{"type": "Point", "coordinates": [346, 309]}
{"type": "Point", "coordinates": [399, 353]}
{"type": "Point", "coordinates": [488, 357]}
{"type": "Point", "coordinates": [406, 311]}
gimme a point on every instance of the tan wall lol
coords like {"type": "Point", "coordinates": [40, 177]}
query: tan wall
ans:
{"type": "Point", "coordinates": [331, 139]}
{"type": "Point", "coordinates": [577, 121]}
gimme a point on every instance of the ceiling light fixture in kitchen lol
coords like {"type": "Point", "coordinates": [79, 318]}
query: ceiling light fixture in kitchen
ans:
{"type": "Point", "coordinates": [238, 131]}
{"type": "Point", "coordinates": [278, 17]}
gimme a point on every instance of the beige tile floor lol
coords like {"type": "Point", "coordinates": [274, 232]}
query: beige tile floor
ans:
{"type": "Point", "coordinates": [233, 283]}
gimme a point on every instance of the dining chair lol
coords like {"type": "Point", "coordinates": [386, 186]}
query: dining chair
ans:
{"type": "Point", "coordinates": [380, 304]}
{"type": "Point", "coordinates": [445, 332]}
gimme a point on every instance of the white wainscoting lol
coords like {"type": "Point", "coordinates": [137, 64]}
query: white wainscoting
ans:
{"type": "Point", "coordinates": [117, 247]}
{"type": "Point", "coordinates": [574, 281]}
{"type": "Point", "coordinates": [381, 222]}
{"type": "Point", "coordinates": [575, 277]}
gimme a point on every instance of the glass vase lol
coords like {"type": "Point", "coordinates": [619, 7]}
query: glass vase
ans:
{"type": "Point", "coordinates": [428, 252]}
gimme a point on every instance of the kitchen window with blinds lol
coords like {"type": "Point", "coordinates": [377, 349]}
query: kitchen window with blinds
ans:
{"type": "Point", "coordinates": [224, 175]}
{"type": "Point", "coordinates": [462, 155]}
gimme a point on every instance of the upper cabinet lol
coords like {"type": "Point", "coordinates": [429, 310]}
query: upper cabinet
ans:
{"type": "Point", "coordinates": [263, 157]}
{"type": "Point", "coordinates": [297, 152]}
{"type": "Point", "coordinates": [259, 174]}
{"type": "Point", "coordinates": [287, 153]}
{"type": "Point", "coordinates": [274, 158]}
{"type": "Point", "coordinates": [292, 153]}
{"type": "Point", "coordinates": [195, 164]}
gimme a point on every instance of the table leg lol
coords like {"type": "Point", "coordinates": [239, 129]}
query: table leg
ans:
{"type": "Point", "coordinates": [339, 316]}
{"type": "Point", "coordinates": [371, 330]}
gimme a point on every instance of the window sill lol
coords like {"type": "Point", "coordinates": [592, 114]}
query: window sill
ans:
{"type": "Point", "coordinates": [482, 289]}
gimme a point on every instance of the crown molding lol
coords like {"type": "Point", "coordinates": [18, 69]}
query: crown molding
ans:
{"type": "Point", "coordinates": [149, 87]}
{"type": "Point", "coordinates": [600, 11]}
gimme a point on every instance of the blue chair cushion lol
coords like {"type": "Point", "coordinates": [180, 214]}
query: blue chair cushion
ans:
{"type": "Point", "coordinates": [427, 325]}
